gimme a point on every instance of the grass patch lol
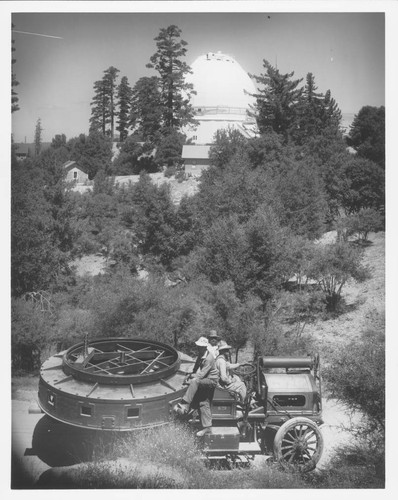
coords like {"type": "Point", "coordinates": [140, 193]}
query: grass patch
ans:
{"type": "Point", "coordinates": [170, 457]}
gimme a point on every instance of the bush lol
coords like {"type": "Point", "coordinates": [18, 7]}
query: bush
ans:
{"type": "Point", "coordinates": [332, 266]}
{"type": "Point", "coordinates": [365, 221]}
{"type": "Point", "coordinates": [356, 376]}
{"type": "Point", "coordinates": [31, 330]}
{"type": "Point", "coordinates": [170, 171]}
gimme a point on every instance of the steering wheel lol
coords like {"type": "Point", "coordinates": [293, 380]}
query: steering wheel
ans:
{"type": "Point", "coordinates": [245, 370]}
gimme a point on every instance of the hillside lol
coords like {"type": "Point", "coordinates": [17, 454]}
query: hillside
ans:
{"type": "Point", "coordinates": [362, 301]}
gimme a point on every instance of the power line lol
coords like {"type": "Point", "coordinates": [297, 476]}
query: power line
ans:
{"type": "Point", "coordinates": [37, 34]}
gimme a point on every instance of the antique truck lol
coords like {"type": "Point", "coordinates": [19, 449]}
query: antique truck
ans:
{"type": "Point", "coordinates": [126, 384]}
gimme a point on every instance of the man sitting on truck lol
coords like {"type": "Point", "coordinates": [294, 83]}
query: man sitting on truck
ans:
{"type": "Point", "coordinates": [201, 388]}
{"type": "Point", "coordinates": [228, 380]}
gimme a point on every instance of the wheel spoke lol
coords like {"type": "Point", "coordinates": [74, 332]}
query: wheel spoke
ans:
{"type": "Point", "coordinates": [289, 440]}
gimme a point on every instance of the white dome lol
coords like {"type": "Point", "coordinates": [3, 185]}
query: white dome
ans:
{"type": "Point", "coordinates": [222, 96]}
{"type": "Point", "coordinates": [220, 82]}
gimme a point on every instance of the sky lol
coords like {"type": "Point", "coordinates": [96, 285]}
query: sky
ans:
{"type": "Point", "coordinates": [344, 50]}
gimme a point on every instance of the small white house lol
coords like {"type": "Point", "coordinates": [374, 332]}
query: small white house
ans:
{"type": "Point", "coordinates": [196, 159]}
{"type": "Point", "coordinates": [75, 173]}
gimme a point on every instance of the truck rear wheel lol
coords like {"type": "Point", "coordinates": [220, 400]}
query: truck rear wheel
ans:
{"type": "Point", "coordinates": [298, 445]}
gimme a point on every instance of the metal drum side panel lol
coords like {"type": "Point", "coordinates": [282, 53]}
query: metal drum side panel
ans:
{"type": "Point", "coordinates": [99, 406]}
{"type": "Point", "coordinates": [106, 414]}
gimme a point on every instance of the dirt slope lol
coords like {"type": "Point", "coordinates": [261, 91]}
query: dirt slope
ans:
{"type": "Point", "coordinates": [362, 299]}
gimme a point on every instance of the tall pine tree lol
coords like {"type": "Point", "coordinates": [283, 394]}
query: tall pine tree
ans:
{"type": "Point", "coordinates": [124, 95]}
{"type": "Point", "coordinates": [310, 110]}
{"type": "Point", "coordinates": [103, 105]}
{"type": "Point", "coordinates": [110, 88]}
{"type": "Point", "coordinates": [99, 108]}
{"type": "Point", "coordinates": [175, 92]}
{"type": "Point", "coordinates": [38, 131]}
{"type": "Point", "coordinates": [146, 110]}
{"type": "Point", "coordinates": [277, 102]}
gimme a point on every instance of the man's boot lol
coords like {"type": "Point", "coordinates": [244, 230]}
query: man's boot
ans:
{"type": "Point", "coordinates": [205, 430]}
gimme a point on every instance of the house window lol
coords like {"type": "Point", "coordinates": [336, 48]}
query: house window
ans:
{"type": "Point", "coordinates": [195, 138]}
{"type": "Point", "coordinates": [75, 175]}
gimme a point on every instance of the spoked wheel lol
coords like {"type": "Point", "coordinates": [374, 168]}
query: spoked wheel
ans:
{"type": "Point", "coordinates": [298, 444]}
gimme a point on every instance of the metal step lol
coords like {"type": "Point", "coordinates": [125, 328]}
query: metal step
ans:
{"type": "Point", "coordinates": [252, 447]}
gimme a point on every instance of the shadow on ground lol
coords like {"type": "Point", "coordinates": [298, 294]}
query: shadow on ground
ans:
{"type": "Point", "coordinates": [58, 444]}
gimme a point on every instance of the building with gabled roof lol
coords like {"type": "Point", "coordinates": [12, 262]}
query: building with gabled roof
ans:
{"type": "Point", "coordinates": [25, 150]}
{"type": "Point", "coordinates": [75, 173]}
{"type": "Point", "coordinates": [195, 158]}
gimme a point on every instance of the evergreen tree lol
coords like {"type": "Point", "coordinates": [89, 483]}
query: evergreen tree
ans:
{"type": "Point", "coordinates": [175, 92]}
{"type": "Point", "coordinates": [367, 134]}
{"type": "Point", "coordinates": [311, 110]}
{"type": "Point", "coordinates": [14, 82]}
{"type": "Point", "coordinates": [226, 144]}
{"type": "Point", "coordinates": [59, 141]}
{"type": "Point", "coordinates": [110, 89]}
{"type": "Point", "coordinates": [331, 113]}
{"type": "Point", "coordinates": [92, 152]}
{"type": "Point", "coordinates": [38, 131]}
{"type": "Point", "coordinates": [146, 111]}
{"type": "Point", "coordinates": [103, 105]}
{"type": "Point", "coordinates": [127, 161]}
{"type": "Point", "coordinates": [99, 108]}
{"type": "Point", "coordinates": [318, 113]}
{"type": "Point", "coordinates": [169, 148]}
{"type": "Point", "coordinates": [124, 95]}
{"type": "Point", "coordinates": [277, 103]}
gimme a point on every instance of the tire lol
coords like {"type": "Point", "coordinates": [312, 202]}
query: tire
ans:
{"type": "Point", "coordinates": [298, 445]}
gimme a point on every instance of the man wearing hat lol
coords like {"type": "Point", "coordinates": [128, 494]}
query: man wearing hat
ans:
{"type": "Point", "coordinates": [228, 379]}
{"type": "Point", "coordinates": [213, 339]}
{"type": "Point", "coordinates": [201, 389]}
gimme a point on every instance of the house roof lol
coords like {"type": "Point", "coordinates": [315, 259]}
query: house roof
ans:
{"type": "Point", "coordinates": [190, 152]}
{"type": "Point", "coordinates": [28, 148]}
{"type": "Point", "coordinates": [68, 165]}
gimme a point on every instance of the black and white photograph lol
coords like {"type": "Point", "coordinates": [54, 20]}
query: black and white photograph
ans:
{"type": "Point", "coordinates": [196, 276]}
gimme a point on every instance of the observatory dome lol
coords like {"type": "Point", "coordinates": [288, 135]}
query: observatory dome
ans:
{"type": "Point", "coordinates": [222, 97]}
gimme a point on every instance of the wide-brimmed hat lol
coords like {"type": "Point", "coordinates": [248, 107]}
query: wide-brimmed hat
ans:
{"type": "Point", "coordinates": [213, 335]}
{"type": "Point", "coordinates": [223, 346]}
{"type": "Point", "coordinates": [202, 342]}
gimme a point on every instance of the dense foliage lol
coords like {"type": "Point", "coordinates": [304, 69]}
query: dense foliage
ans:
{"type": "Point", "coordinates": [367, 134]}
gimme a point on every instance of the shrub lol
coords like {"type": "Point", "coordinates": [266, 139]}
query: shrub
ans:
{"type": "Point", "coordinates": [356, 376]}
{"type": "Point", "coordinates": [365, 221]}
{"type": "Point", "coordinates": [170, 171]}
{"type": "Point", "coordinates": [31, 330]}
{"type": "Point", "coordinates": [332, 266]}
